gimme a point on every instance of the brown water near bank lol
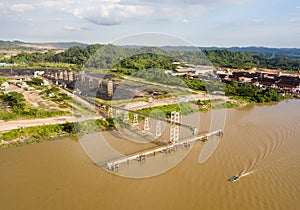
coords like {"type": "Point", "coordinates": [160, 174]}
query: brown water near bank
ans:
{"type": "Point", "coordinates": [261, 141]}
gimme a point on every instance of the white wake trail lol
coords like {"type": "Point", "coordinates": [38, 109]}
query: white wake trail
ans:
{"type": "Point", "coordinates": [246, 174]}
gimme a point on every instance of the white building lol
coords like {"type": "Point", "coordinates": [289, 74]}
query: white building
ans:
{"type": "Point", "coordinates": [5, 85]}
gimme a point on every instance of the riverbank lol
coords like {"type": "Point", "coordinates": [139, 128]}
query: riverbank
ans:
{"type": "Point", "coordinates": [258, 139]}
{"type": "Point", "coordinates": [36, 134]}
{"type": "Point", "coordinates": [22, 132]}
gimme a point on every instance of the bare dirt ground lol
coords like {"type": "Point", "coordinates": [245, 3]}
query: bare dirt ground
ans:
{"type": "Point", "coordinates": [168, 101]}
{"type": "Point", "coordinates": [35, 99]}
{"type": "Point", "coordinates": [15, 124]}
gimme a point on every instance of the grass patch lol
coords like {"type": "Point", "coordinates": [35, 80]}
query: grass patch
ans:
{"type": "Point", "coordinates": [119, 102]}
{"type": "Point", "coordinates": [224, 105]}
{"type": "Point", "coordinates": [2, 80]}
{"type": "Point", "coordinates": [38, 132]}
{"type": "Point", "coordinates": [32, 113]}
{"type": "Point", "coordinates": [78, 108]}
{"type": "Point", "coordinates": [201, 109]}
{"type": "Point", "coordinates": [206, 105]}
{"type": "Point", "coordinates": [20, 109]}
{"type": "Point", "coordinates": [241, 99]}
{"type": "Point", "coordinates": [184, 108]}
{"type": "Point", "coordinates": [42, 133]}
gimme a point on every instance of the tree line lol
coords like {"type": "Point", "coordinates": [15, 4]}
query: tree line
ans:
{"type": "Point", "coordinates": [252, 93]}
{"type": "Point", "coordinates": [128, 60]}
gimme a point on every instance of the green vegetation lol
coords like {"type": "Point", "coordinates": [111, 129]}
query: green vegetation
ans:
{"type": "Point", "coordinates": [130, 60]}
{"type": "Point", "coordinates": [161, 111]}
{"type": "Point", "coordinates": [194, 84]}
{"type": "Point", "coordinates": [118, 102]}
{"type": "Point", "coordinates": [15, 45]}
{"type": "Point", "coordinates": [236, 60]}
{"type": "Point", "coordinates": [245, 60]}
{"type": "Point", "coordinates": [73, 55]}
{"type": "Point", "coordinates": [159, 76]}
{"type": "Point", "coordinates": [186, 108]}
{"type": "Point", "coordinates": [36, 83]}
{"type": "Point", "coordinates": [224, 105]}
{"type": "Point", "coordinates": [2, 80]}
{"type": "Point", "coordinates": [38, 132]}
{"type": "Point", "coordinates": [18, 108]}
{"type": "Point", "coordinates": [53, 90]}
{"type": "Point", "coordinates": [49, 132]}
{"type": "Point", "coordinates": [79, 109]}
{"type": "Point", "coordinates": [205, 105]}
{"type": "Point", "coordinates": [94, 126]}
{"type": "Point", "coordinates": [54, 94]}
{"type": "Point", "coordinates": [252, 93]}
{"type": "Point", "coordinates": [242, 92]}
{"type": "Point", "coordinates": [144, 61]}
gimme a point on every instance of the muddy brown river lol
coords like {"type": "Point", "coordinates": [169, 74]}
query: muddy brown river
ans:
{"type": "Point", "coordinates": [261, 142]}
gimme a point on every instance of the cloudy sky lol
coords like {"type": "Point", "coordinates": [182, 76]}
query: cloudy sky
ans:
{"type": "Point", "coordinates": [272, 23]}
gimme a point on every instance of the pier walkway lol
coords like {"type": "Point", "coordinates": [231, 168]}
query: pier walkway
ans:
{"type": "Point", "coordinates": [139, 156]}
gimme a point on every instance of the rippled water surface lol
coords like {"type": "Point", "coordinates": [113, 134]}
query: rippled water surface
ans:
{"type": "Point", "coordinates": [260, 143]}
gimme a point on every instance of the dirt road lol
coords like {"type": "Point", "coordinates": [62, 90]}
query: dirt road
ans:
{"type": "Point", "coordinates": [15, 124]}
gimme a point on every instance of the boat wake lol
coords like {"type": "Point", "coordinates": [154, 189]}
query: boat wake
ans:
{"type": "Point", "coordinates": [267, 147]}
{"type": "Point", "coordinates": [243, 174]}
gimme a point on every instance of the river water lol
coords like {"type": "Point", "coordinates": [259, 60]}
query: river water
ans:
{"type": "Point", "coordinates": [261, 142]}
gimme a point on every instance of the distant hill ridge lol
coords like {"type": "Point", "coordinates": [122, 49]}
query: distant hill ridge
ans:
{"type": "Point", "coordinates": [56, 45]}
{"type": "Point", "coordinates": [288, 52]}
{"type": "Point", "coordinates": [153, 57]}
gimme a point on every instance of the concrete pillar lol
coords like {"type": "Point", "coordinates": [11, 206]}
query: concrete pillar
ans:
{"type": "Point", "coordinates": [110, 88]}
{"type": "Point", "coordinates": [91, 83]}
{"type": "Point", "coordinates": [66, 78]}
{"type": "Point", "coordinates": [135, 119]}
{"type": "Point", "coordinates": [195, 131]}
{"type": "Point", "coordinates": [82, 78]}
{"type": "Point", "coordinates": [174, 129]}
{"type": "Point", "coordinates": [146, 124]}
{"type": "Point", "coordinates": [110, 112]}
{"type": "Point", "coordinates": [126, 116]}
{"type": "Point", "coordinates": [70, 76]}
{"type": "Point", "coordinates": [158, 129]}
{"type": "Point", "coordinates": [61, 75]}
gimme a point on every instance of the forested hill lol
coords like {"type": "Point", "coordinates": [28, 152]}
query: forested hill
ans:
{"type": "Point", "coordinates": [288, 52]}
{"type": "Point", "coordinates": [245, 60]}
{"type": "Point", "coordinates": [219, 58]}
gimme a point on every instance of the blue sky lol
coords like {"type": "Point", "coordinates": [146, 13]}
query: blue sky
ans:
{"type": "Point", "coordinates": [272, 23]}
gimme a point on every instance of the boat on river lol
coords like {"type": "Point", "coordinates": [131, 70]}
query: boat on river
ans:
{"type": "Point", "coordinates": [234, 178]}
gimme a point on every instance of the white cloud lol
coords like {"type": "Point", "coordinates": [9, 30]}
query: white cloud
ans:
{"type": "Point", "coordinates": [72, 28]}
{"type": "Point", "coordinates": [21, 7]}
{"type": "Point", "coordinates": [60, 4]}
{"type": "Point", "coordinates": [297, 7]}
{"type": "Point", "coordinates": [112, 13]}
